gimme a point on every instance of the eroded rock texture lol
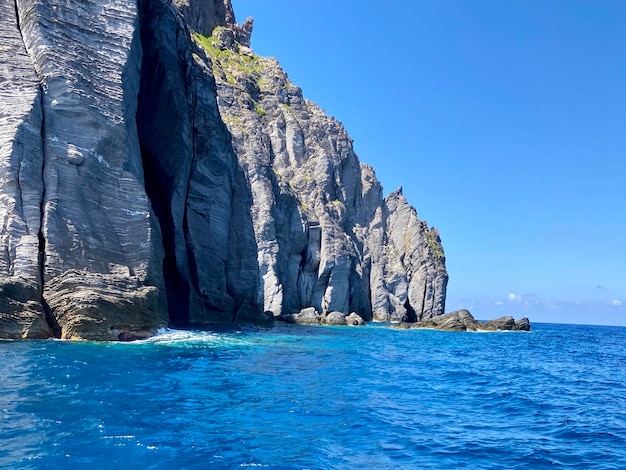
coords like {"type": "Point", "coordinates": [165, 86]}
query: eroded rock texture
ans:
{"type": "Point", "coordinates": [197, 188]}
{"type": "Point", "coordinates": [95, 216]}
{"type": "Point", "coordinates": [154, 170]}
{"type": "Point", "coordinates": [326, 238]}
{"type": "Point", "coordinates": [462, 320]}
{"type": "Point", "coordinates": [21, 185]}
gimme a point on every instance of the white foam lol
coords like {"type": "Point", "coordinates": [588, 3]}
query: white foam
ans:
{"type": "Point", "coordinates": [188, 338]}
{"type": "Point", "coordinates": [170, 336]}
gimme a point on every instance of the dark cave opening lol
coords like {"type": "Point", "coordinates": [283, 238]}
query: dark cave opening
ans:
{"type": "Point", "coordinates": [410, 311]}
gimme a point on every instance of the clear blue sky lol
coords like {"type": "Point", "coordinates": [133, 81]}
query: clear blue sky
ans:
{"type": "Point", "coordinates": [503, 120]}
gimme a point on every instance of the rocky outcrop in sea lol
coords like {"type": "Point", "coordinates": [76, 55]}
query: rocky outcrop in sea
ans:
{"type": "Point", "coordinates": [154, 170]}
{"type": "Point", "coordinates": [463, 320]}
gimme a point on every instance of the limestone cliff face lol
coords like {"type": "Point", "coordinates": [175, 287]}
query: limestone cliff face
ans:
{"type": "Point", "coordinates": [326, 237]}
{"type": "Point", "coordinates": [153, 169]}
{"type": "Point", "coordinates": [88, 225]}
{"type": "Point", "coordinates": [193, 179]}
{"type": "Point", "coordinates": [21, 185]}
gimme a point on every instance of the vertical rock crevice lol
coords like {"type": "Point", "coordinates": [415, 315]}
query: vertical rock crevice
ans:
{"type": "Point", "coordinates": [41, 247]}
{"type": "Point", "coordinates": [197, 189]}
{"type": "Point", "coordinates": [17, 20]}
{"type": "Point", "coordinates": [21, 312]}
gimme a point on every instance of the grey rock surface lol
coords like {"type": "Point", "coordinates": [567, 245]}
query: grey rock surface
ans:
{"type": "Point", "coordinates": [409, 278]}
{"type": "Point", "coordinates": [462, 320]}
{"type": "Point", "coordinates": [116, 307]}
{"type": "Point", "coordinates": [307, 316]}
{"type": "Point", "coordinates": [120, 193]}
{"type": "Point", "coordinates": [523, 324]}
{"type": "Point", "coordinates": [203, 16]}
{"type": "Point", "coordinates": [335, 318]}
{"type": "Point", "coordinates": [21, 313]}
{"type": "Point", "coordinates": [94, 212]}
{"type": "Point", "coordinates": [507, 323]}
{"type": "Point", "coordinates": [155, 170]}
{"type": "Point", "coordinates": [354, 320]}
{"type": "Point", "coordinates": [21, 185]}
{"type": "Point", "coordinates": [326, 238]}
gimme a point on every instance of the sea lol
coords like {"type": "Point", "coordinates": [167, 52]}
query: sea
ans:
{"type": "Point", "coordinates": [305, 397]}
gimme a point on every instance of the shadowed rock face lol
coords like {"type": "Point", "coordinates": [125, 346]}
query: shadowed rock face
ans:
{"type": "Point", "coordinates": [197, 188]}
{"type": "Point", "coordinates": [153, 175]}
{"type": "Point", "coordinates": [204, 15]}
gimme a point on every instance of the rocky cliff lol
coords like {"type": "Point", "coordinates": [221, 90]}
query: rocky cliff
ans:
{"type": "Point", "coordinates": [155, 170]}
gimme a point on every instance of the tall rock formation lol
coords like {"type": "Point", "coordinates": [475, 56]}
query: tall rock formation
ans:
{"type": "Point", "coordinates": [326, 237]}
{"type": "Point", "coordinates": [197, 188]}
{"type": "Point", "coordinates": [155, 170]}
{"type": "Point", "coordinates": [21, 185]}
{"type": "Point", "coordinates": [98, 245]}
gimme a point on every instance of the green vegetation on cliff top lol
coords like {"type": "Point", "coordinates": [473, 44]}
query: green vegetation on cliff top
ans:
{"type": "Point", "coordinates": [232, 61]}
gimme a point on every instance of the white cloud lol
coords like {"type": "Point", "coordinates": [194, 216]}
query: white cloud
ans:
{"type": "Point", "coordinates": [513, 297]}
{"type": "Point", "coordinates": [617, 303]}
{"type": "Point", "coordinates": [499, 303]}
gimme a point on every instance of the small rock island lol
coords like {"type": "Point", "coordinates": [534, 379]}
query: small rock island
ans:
{"type": "Point", "coordinates": [462, 320]}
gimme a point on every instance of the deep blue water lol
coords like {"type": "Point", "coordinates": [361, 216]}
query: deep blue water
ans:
{"type": "Point", "coordinates": [319, 397]}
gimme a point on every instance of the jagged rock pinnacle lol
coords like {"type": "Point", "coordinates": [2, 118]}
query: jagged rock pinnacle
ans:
{"type": "Point", "coordinates": [203, 16]}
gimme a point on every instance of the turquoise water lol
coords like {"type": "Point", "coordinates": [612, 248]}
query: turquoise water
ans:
{"type": "Point", "coordinates": [319, 397]}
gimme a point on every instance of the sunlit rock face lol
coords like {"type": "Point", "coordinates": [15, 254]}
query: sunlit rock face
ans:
{"type": "Point", "coordinates": [155, 170]}
{"type": "Point", "coordinates": [79, 184]}
{"type": "Point", "coordinates": [21, 185]}
{"type": "Point", "coordinates": [326, 238]}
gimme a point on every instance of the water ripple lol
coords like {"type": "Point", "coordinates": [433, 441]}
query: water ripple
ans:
{"type": "Point", "coordinates": [316, 397]}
